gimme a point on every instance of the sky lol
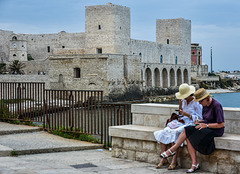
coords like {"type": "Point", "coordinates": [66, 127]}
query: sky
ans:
{"type": "Point", "coordinates": [215, 23]}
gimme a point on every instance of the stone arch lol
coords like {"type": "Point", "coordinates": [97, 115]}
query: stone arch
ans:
{"type": "Point", "coordinates": [185, 76]}
{"type": "Point", "coordinates": [172, 77]}
{"type": "Point", "coordinates": [148, 77]}
{"type": "Point", "coordinates": [157, 77]}
{"type": "Point", "coordinates": [165, 78]}
{"type": "Point", "coordinates": [179, 77]}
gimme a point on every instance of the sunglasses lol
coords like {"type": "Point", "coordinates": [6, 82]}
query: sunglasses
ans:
{"type": "Point", "coordinates": [202, 100]}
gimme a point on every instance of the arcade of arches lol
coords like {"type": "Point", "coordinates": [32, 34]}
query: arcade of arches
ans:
{"type": "Point", "coordinates": [165, 78]}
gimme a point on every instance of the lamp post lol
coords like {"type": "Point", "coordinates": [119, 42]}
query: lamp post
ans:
{"type": "Point", "coordinates": [211, 61]}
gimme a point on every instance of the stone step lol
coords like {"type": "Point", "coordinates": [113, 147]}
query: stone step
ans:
{"type": "Point", "coordinates": [40, 142]}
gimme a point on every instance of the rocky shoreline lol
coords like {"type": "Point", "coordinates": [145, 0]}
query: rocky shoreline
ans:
{"type": "Point", "coordinates": [220, 90]}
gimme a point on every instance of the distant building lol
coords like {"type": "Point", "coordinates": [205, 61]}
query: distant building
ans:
{"type": "Point", "coordinates": [105, 57]}
{"type": "Point", "coordinates": [197, 69]}
{"type": "Point", "coordinates": [196, 54]}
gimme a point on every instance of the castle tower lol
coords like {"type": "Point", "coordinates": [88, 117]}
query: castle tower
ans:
{"type": "Point", "coordinates": [18, 48]}
{"type": "Point", "coordinates": [176, 32]}
{"type": "Point", "coordinates": [107, 29]}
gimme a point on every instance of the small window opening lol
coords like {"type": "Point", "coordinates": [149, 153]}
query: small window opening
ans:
{"type": "Point", "coordinates": [140, 54]}
{"type": "Point", "coordinates": [14, 38]}
{"type": "Point", "coordinates": [99, 27]}
{"type": "Point", "coordinates": [14, 55]}
{"type": "Point", "coordinates": [193, 53]}
{"type": "Point", "coordinates": [48, 49]}
{"type": "Point", "coordinates": [176, 60]}
{"type": "Point", "coordinates": [161, 59]}
{"type": "Point", "coordinates": [63, 46]}
{"type": "Point", "coordinates": [77, 73]}
{"type": "Point", "coordinates": [99, 50]}
{"type": "Point", "coordinates": [167, 41]}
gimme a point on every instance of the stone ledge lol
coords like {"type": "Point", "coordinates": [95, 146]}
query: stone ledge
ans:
{"type": "Point", "coordinates": [133, 132]}
{"type": "Point", "coordinates": [145, 133]}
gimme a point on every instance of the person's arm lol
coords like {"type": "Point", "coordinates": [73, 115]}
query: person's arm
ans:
{"type": "Point", "coordinates": [180, 104]}
{"type": "Point", "coordinates": [198, 112]}
{"type": "Point", "coordinates": [210, 125]}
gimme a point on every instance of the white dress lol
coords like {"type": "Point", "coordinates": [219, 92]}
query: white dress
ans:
{"type": "Point", "coordinates": [168, 135]}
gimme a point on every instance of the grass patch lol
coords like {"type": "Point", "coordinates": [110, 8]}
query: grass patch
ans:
{"type": "Point", "coordinates": [76, 136]}
{"type": "Point", "coordinates": [14, 153]}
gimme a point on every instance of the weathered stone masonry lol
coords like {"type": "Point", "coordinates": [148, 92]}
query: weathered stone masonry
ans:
{"type": "Point", "coordinates": [164, 63]}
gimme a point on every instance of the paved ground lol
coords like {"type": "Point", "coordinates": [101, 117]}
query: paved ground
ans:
{"type": "Point", "coordinates": [69, 162]}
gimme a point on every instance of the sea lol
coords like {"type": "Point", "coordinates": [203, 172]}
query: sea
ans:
{"type": "Point", "coordinates": [226, 99]}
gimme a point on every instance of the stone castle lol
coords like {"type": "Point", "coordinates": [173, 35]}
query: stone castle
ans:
{"type": "Point", "coordinates": [105, 57]}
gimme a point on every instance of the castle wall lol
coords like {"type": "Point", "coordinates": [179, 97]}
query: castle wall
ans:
{"type": "Point", "coordinates": [176, 32]}
{"type": "Point", "coordinates": [151, 52]}
{"type": "Point", "coordinates": [107, 72]}
{"type": "Point", "coordinates": [105, 57]}
{"type": "Point", "coordinates": [5, 37]}
{"type": "Point", "coordinates": [41, 46]}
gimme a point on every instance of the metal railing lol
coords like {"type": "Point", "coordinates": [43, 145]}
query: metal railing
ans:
{"type": "Point", "coordinates": [80, 111]}
{"type": "Point", "coordinates": [22, 101]}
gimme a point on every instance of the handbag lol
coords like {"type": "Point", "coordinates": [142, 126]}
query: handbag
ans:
{"type": "Point", "coordinates": [174, 121]}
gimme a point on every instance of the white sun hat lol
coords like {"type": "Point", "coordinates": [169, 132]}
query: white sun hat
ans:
{"type": "Point", "coordinates": [185, 90]}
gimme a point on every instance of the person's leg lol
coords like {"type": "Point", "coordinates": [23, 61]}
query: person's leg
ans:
{"type": "Point", "coordinates": [163, 161]}
{"type": "Point", "coordinates": [163, 148]}
{"type": "Point", "coordinates": [180, 140]}
{"type": "Point", "coordinates": [174, 161]}
{"type": "Point", "coordinates": [192, 153]}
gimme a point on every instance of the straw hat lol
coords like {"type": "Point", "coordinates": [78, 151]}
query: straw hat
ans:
{"type": "Point", "coordinates": [201, 94]}
{"type": "Point", "coordinates": [184, 91]}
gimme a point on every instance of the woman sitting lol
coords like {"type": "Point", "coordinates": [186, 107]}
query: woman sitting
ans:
{"type": "Point", "coordinates": [188, 111]}
{"type": "Point", "coordinates": [201, 136]}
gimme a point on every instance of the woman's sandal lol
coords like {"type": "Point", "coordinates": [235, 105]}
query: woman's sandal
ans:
{"type": "Point", "coordinates": [160, 164]}
{"type": "Point", "coordinates": [196, 167]}
{"type": "Point", "coordinates": [172, 166]}
{"type": "Point", "coordinates": [164, 154]}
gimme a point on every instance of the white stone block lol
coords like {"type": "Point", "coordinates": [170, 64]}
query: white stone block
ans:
{"type": "Point", "coordinates": [117, 142]}
{"type": "Point", "coordinates": [142, 156]}
{"type": "Point", "coordinates": [132, 145]}
{"type": "Point", "coordinates": [153, 158]}
{"type": "Point", "coordinates": [131, 154]}
{"type": "Point", "coordinates": [149, 146]}
{"type": "Point", "coordinates": [226, 168]}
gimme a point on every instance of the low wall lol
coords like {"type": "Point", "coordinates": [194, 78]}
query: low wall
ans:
{"type": "Point", "coordinates": [136, 141]}
{"type": "Point", "coordinates": [26, 78]}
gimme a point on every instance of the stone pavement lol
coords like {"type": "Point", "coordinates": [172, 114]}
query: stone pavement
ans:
{"type": "Point", "coordinates": [72, 156]}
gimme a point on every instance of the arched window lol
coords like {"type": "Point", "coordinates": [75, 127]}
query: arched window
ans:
{"type": "Point", "coordinates": [176, 60]}
{"type": "Point", "coordinates": [60, 78]}
{"type": "Point", "coordinates": [161, 59]}
{"type": "Point", "coordinates": [14, 38]}
{"type": "Point", "coordinates": [148, 77]}
{"type": "Point", "coordinates": [165, 78]}
{"type": "Point", "coordinates": [14, 55]}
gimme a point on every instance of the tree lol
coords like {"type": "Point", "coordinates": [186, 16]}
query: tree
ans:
{"type": "Point", "coordinates": [16, 67]}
